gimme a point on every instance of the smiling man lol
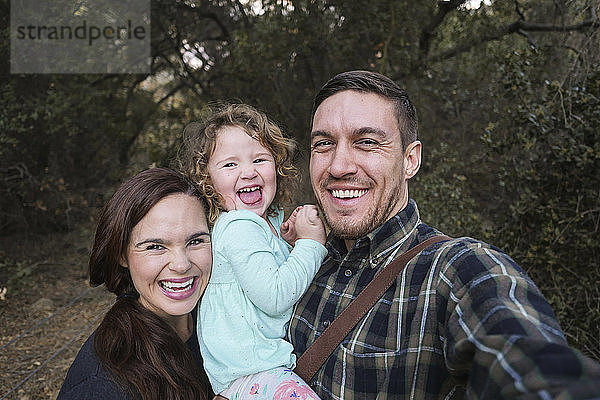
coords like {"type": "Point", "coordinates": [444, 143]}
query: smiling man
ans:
{"type": "Point", "coordinates": [462, 320]}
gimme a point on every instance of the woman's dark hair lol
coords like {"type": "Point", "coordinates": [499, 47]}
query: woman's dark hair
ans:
{"type": "Point", "coordinates": [372, 82]}
{"type": "Point", "coordinates": [141, 351]}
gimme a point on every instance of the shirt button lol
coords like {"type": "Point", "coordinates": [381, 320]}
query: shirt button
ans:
{"type": "Point", "coordinates": [326, 323]}
{"type": "Point", "coordinates": [348, 273]}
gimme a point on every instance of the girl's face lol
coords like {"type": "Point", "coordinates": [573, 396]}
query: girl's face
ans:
{"type": "Point", "coordinates": [242, 171]}
{"type": "Point", "coordinates": [169, 256]}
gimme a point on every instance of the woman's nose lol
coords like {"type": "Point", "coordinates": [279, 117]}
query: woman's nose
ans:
{"type": "Point", "coordinates": [181, 262]}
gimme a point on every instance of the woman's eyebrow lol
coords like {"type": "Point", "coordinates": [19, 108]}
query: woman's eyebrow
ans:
{"type": "Point", "coordinates": [196, 235]}
{"type": "Point", "coordinates": [145, 241]}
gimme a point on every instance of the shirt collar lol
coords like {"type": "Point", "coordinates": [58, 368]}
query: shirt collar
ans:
{"type": "Point", "coordinates": [383, 241]}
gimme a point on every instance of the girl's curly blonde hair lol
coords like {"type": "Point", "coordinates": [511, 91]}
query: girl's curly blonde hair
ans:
{"type": "Point", "coordinates": [199, 141]}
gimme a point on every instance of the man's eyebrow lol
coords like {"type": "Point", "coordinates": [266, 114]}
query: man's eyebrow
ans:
{"type": "Point", "coordinates": [324, 134]}
{"type": "Point", "coordinates": [367, 130]}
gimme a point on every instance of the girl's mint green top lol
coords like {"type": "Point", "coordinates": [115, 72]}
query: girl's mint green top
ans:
{"type": "Point", "coordinates": [255, 282]}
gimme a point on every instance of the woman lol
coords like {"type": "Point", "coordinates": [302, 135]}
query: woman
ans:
{"type": "Point", "coordinates": [152, 249]}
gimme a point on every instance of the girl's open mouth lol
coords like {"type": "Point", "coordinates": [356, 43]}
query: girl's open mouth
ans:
{"type": "Point", "coordinates": [250, 195]}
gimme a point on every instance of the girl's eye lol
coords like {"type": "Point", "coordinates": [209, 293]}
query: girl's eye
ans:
{"type": "Point", "coordinates": [259, 160]}
{"type": "Point", "coordinates": [228, 165]}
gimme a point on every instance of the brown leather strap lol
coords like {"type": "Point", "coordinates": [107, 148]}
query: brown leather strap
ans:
{"type": "Point", "coordinates": [312, 359]}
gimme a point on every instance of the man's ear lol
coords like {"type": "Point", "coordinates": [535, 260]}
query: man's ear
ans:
{"type": "Point", "coordinates": [412, 159]}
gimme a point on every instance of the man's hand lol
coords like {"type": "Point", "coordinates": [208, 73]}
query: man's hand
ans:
{"type": "Point", "coordinates": [309, 225]}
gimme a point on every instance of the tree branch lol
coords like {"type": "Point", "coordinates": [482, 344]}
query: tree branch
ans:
{"type": "Point", "coordinates": [171, 93]}
{"type": "Point", "coordinates": [518, 26]}
{"type": "Point", "coordinates": [444, 7]}
{"type": "Point", "coordinates": [207, 15]}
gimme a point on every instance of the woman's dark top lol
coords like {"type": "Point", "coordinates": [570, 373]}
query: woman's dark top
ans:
{"type": "Point", "coordinates": [88, 379]}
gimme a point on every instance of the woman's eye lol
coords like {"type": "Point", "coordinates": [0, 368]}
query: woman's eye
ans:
{"type": "Point", "coordinates": [199, 240]}
{"type": "Point", "coordinates": [154, 247]}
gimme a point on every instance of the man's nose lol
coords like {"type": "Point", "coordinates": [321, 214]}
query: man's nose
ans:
{"type": "Point", "coordinates": [343, 162]}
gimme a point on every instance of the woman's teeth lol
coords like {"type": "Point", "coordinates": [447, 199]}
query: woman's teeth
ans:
{"type": "Point", "coordinates": [176, 286]}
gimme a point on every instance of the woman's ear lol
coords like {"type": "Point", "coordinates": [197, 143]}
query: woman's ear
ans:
{"type": "Point", "coordinates": [123, 262]}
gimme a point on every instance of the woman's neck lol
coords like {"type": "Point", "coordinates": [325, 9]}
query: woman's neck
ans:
{"type": "Point", "coordinates": [183, 325]}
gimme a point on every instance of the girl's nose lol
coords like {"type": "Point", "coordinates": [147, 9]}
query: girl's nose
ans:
{"type": "Point", "coordinates": [249, 171]}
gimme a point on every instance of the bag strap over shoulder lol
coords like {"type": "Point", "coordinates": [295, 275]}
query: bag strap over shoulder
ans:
{"type": "Point", "coordinates": [309, 363]}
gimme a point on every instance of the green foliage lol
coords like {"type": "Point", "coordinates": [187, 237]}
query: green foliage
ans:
{"type": "Point", "coordinates": [67, 137]}
{"type": "Point", "coordinates": [547, 144]}
{"type": "Point", "coordinates": [442, 194]}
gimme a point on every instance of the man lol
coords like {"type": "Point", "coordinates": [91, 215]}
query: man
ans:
{"type": "Point", "coordinates": [462, 320]}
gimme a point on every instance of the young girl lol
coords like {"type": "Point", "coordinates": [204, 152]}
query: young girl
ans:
{"type": "Point", "coordinates": [242, 163]}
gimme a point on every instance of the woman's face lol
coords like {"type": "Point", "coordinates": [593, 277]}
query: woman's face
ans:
{"type": "Point", "coordinates": [169, 256]}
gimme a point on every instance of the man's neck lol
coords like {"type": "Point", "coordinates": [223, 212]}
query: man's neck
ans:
{"type": "Point", "coordinates": [349, 243]}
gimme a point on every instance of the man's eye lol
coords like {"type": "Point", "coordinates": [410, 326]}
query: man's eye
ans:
{"type": "Point", "coordinates": [367, 142]}
{"type": "Point", "coordinates": [322, 144]}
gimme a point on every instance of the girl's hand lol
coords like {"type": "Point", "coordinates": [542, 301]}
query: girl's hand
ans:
{"type": "Point", "coordinates": [288, 227]}
{"type": "Point", "coordinates": [309, 225]}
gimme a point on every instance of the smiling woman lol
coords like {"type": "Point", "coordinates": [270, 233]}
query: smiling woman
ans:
{"type": "Point", "coordinates": [152, 249]}
{"type": "Point", "coordinates": [169, 259]}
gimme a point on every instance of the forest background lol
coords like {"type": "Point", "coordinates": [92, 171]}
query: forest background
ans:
{"type": "Point", "coordinates": [507, 92]}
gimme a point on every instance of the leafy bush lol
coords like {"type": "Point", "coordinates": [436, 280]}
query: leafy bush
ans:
{"type": "Point", "coordinates": [547, 146]}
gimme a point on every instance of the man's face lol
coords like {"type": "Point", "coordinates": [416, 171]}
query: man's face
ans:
{"type": "Point", "coordinates": [358, 169]}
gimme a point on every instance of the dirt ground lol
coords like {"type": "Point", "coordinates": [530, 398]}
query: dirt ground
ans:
{"type": "Point", "coordinates": [47, 310]}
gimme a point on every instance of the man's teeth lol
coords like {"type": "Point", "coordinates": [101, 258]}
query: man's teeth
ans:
{"type": "Point", "coordinates": [176, 286]}
{"type": "Point", "coordinates": [345, 194]}
{"type": "Point", "coordinates": [252, 189]}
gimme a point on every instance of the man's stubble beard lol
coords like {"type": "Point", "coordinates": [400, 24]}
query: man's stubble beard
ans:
{"type": "Point", "coordinates": [377, 215]}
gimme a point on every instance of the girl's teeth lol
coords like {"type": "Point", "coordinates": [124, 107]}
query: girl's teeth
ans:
{"type": "Point", "coordinates": [252, 189]}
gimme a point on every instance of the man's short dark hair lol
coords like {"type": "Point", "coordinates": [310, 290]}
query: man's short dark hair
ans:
{"type": "Point", "coordinates": [372, 82]}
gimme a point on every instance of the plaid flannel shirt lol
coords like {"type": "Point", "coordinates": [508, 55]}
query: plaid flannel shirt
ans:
{"type": "Point", "coordinates": [462, 320]}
